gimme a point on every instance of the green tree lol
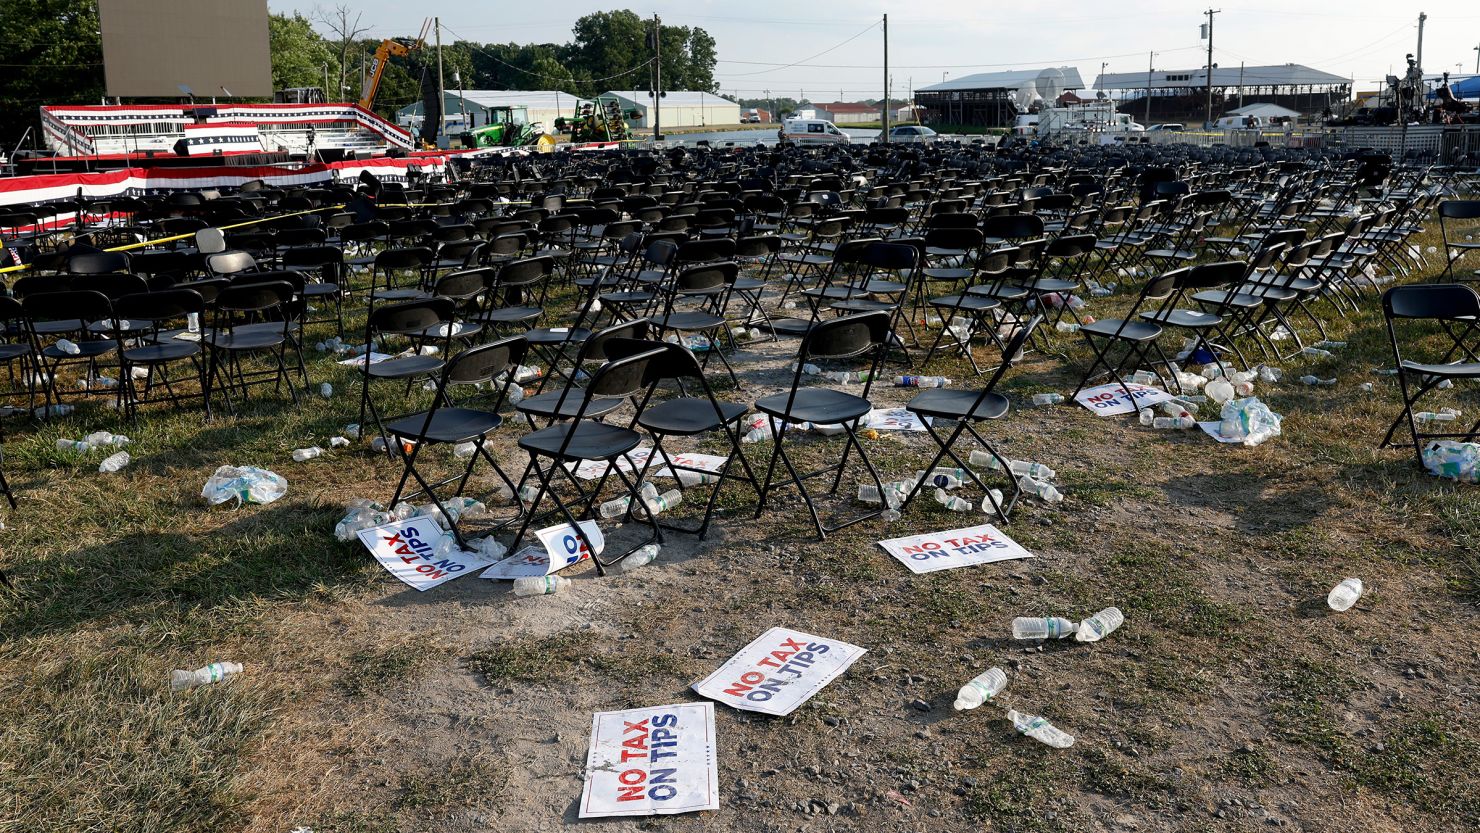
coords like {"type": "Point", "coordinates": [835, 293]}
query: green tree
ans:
{"type": "Point", "coordinates": [299, 55]}
{"type": "Point", "coordinates": [53, 55]}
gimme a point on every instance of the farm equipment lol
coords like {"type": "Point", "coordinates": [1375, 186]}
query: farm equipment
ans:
{"type": "Point", "coordinates": [599, 121]}
{"type": "Point", "coordinates": [507, 127]}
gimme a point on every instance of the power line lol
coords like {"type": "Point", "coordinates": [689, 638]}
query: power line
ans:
{"type": "Point", "coordinates": [497, 60]}
{"type": "Point", "coordinates": [868, 29]}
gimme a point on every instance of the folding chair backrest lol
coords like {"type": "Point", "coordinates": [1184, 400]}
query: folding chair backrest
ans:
{"type": "Point", "coordinates": [676, 362]}
{"type": "Point", "coordinates": [524, 272]}
{"type": "Point", "coordinates": [706, 278]}
{"type": "Point", "coordinates": [414, 257]}
{"type": "Point", "coordinates": [410, 316]}
{"type": "Point", "coordinates": [86, 306]}
{"type": "Point", "coordinates": [1437, 302]}
{"type": "Point", "coordinates": [620, 377]}
{"type": "Point", "coordinates": [1013, 226]}
{"type": "Point", "coordinates": [1209, 275]}
{"type": "Point", "coordinates": [596, 348]}
{"type": "Point", "coordinates": [254, 297]}
{"type": "Point", "coordinates": [899, 257]}
{"type": "Point", "coordinates": [482, 363]}
{"type": "Point", "coordinates": [845, 337]}
{"type": "Point", "coordinates": [97, 263]}
{"type": "Point", "coordinates": [464, 284]}
{"type": "Point", "coordinates": [114, 286]}
{"type": "Point", "coordinates": [1460, 209]}
{"type": "Point", "coordinates": [210, 241]}
{"type": "Point", "coordinates": [968, 238]}
{"type": "Point", "coordinates": [164, 305]}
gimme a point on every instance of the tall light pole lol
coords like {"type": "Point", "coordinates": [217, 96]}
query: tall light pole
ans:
{"type": "Point", "coordinates": [1208, 33]}
{"type": "Point", "coordinates": [885, 132]}
{"type": "Point", "coordinates": [1477, 60]}
{"type": "Point", "coordinates": [1101, 79]}
{"type": "Point", "coordinates": [1150, 68]}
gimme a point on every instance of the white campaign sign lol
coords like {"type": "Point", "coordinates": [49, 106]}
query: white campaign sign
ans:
{"type": "Point", "coordinates": [559, 548]}
{"type": "Point", "coordinates": [405, 549]}
{"type": "Point", "coordinates": [893, 419]}
{"type": "Point", "coordinates": [1110, 400]}
{"type": "Point", "coordinates": [629, 462]}
{"type": "Point", "coordinates": [359, 361]}
{"type": "Point", "coordinates": [638, 457]}
{"type": "Point", "coordinates": [779, 671]}
{"type": "Point", "coordinates": [530, 561]}
{"type": "Point", "coordinates": [656, 760]}
{"type": "Point", "coordinates": [1215, 430]}
{"type": "Point", "coordinates": [954, 548]}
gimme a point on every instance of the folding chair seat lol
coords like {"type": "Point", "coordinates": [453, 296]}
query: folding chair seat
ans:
{"type": "Point", "coordinates": [582, 439]}
{"type": "Point", "coordinates": [1439, 325]}
{"type": "Point", "coordinates": [969, 408]}
{"type": "Point", "coordinates": [565, 402]}
{"type": "Point", "coordinates": [449, 423]}
{"type": "Point", "coordinates": [839, 339]}
{"type": "Point", "coordinates": [412, 320]}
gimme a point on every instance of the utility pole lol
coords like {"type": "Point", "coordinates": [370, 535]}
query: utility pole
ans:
{"type": "Point", "coordinates": [1101, 79]}
{"type": "Point", "coordinates": [441, 87]}
{"type": "Point", "coordinates": [885, 134]}
{"type": "Point", "coordinates": [1208, 121]}
{"type": "Point", "coordinates": [1418, 56]}
{"type": "Point", "coordinates": [657, 79]}
{"type": "Point", "coordinates": [1150, 68]}
{"type": "Point", "coordinates": [1241, 85]}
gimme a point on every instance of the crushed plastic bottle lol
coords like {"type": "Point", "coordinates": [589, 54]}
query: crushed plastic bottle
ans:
{"type": "Point", "coordinates": [352, 430]}
{"type": "Point", "coordinates": [1100, 625]}
{"type": "Point", "coordinates": [301, 455]}
{"type": "Point", "coordinates": [338, 442]}
{"type": "Point", "coordinates": [1042, 627]}
{"type": "Point", "coordinates": [1366, 387]}
{"type": "Point", "coordinates": [1249, 420]}
{"type": "Point", "coordinates": [1219, 390]}
{"type": "Point", "coordinates": [114, 463]}
{"type": "Point", "coordinates": [1039, 729]}
{"type": "Point", "coordinates": [953, 503]}
{"type": "Point", "coordinates": [1047, 398]}
{"type": "Point", "coordinates": [59, 410]}
{"type": "Point", "coordinates": [181, 679]}
{"type": "Point", "coordinates": [894, 493]}
{"type": "Point", "coordinates": [68, 347]}
{"type": "Point", "coordinates": [944, 478]}
{"type": "Point", "coordinates": [360, 514]}
{"type": "Point", "coordinates": [540, 585]}
{"type": "Point", "coordinates": [244, 484]}
{"type": "Point", "coordinates": [489, 547]}
{"type": "Point", "coordinates": [921, 381]}
{"type": "Point", "coordinates": [641, 558]}
{"type": "Point", "coordinates": [1142, 377]}
{"type": "Point", "coordinates": [1345, 594]}
{"type": "Point", "coordinates": [847, 377]}
{"type": "Point", "coordinates": [690, 479]}
{"type": "Point", "coordinates": [64, 444]}
{"type": "Point", "coordinates": [1039, 489]}
{"type": "Point", "coordinates": [326, 390]}
{"type": "Point", "coordinates": [980, 689]}
{"type": "Point", "coordinates": [992, 500]}
{"type": "Point", "coordinates": [1316, 381]}
{"type": "Point", "coordinates": [1459, 461]}
{"type": "Point", "coordinates": [664, 502]}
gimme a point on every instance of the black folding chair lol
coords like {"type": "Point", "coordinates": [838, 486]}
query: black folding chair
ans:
{"type": "Point", "coordinates": [1135, 334]}
{"type": "Point", "coordinates": [248, 319]}
{"type": "Point", "coordinates": [419, 321]}
{"type": "Point", "coordinates": [447, 423]}
{"type": "Point", "coordinates": [162, 309]}
{"type": "Point", "coordinates": [1454, 310]}
{"type": "Point", "coordinates": [968, 408]}
{"type": "Point", "coordinates": [69, 315]}
{"type": "Point", "coordinates": [1465, 213]}
{"type": "Point", "coordinates": [836, 339]}
{"type": "Point", "coordinates": [562, 447]}
{"type": "Point", "coordinates": [686, 416]}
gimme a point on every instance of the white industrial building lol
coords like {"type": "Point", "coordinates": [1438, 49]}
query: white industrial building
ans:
{"type": "Point", "coordinates": [544, 106]}
{"type": "Point", "coordinates": [680, 108]}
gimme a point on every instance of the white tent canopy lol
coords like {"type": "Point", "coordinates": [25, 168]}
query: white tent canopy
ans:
{"type": "Point", "coordinates": [1265, 111]}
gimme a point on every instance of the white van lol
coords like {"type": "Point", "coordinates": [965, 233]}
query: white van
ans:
{"type": "Point", "coordinates": [812, 132]}
{"type": "Point", "coordinates": [1239, 123]}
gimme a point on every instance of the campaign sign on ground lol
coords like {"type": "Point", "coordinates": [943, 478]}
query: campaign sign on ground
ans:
{"type": "Point", "coordinates": [359, 361]}
{"type": "Point", "coordinates": [1111, 399]}
{"type": "Point", "coordinates": [954, 548]}
{"type": "Point", "coordinates": [893, 419]}
{"type": "Point", "coordinates": [629, 462]}
{"type": "Point", "coordinates": [652, 761]}
{"type": "Point", "coordinates": [1214, 429]}
{"type": "Point", "coordinates": [778, 671]}
{"type": "Point", "coordinates": [635, 459]}
{"type": "Point", "coordinates": [405, 549]}
{"type": "Point", "coordinates": [530, 561]}
{"type": "Point", "coordinates": [566, 547]}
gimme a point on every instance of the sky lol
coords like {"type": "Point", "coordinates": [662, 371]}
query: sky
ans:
{"type": "Point", "coordinates": [833, 49]}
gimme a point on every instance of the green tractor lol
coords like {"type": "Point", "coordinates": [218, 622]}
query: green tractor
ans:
{"type": "Point", "coordinates": [507, 127]}
{"type": "Point", "coordinates": [600, 121]}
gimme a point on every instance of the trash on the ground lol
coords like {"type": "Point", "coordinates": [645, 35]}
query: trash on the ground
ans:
{"type": "Point", "coordinates": [1039, 729]}
{"type": "Point", "coordinates": [59, 410]}
{"type": "Point", "coordinates": [1100, 625]}
{"type": "Point", "coordinates": [64, 444]}
{"type": "Point", "coordinates": [114, 462]}
{"type": "Point", "coordinates": [1453, 460]}
{"type": "Point", "coordinates": [352, 430]}
{"type": "Point", "coordinates": [301, 455]}
{"type": "Point", "coordinates": [1248, 421]}
{"type": "Point", "coordinates": [326, 390]}
{"type": "Point", "coordinates": [1269, 374]}
{"type": "Point", "coordinates": [1142, 377]}
{"type": "Point", "coordinates": [953, 503]}
{"type": "Point", "coordinates": [1316, 381]}
{"type": "Point", "coordinates": [1315, 352]}
{"type": "Point", "coordinates": [180, 679]}
{"type": "Point", "coordinates": [778, 671]}
{"type": "Point", "coordinates": [1040, 489]}
{"type": "Point", "coordinates": [418, 551]}
{"type": "Point", "coordinates": [1366, 387]}
{"type": "Point", "coordinates": [980, 689]}
{"type": "Point", "coordinates": [643, 557]}
{"type": "Point", "coordinates": [1041, 399]}
{"type": "Point", "coordinates": [1443, 415]}
{"type": "Point", "coordinates": [1337, 345]}
{"type": "Point", "coordinates": [1113, 398]}
{"type": "Point", "coordinates": [98, 439]}
{"type": "Point", "coordinates": [338, 442]}
{"type": "Point", "coordinates": [931, 551]}
{"type": "Point", "coordinates": [1345, 594]}
{"type": "Point", "coordinates": [1042, 627]}
{"type": "Point", "coordinates": [1037, 471]}
{"type": "Point", "coordinates": [244, 484]}
{"type": "Point", "coordinates": [921, 382]}
{"type": "Point", "coordinates": [540, 585]}
{"type": "Point", "coordinates": [894, 493]}
{"type": "Point", "coordinates": [1219, 390]}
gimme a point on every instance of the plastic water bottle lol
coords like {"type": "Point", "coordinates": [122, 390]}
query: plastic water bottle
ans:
{"type": "Point", "coordinates": [326, 390]}
{"type": "Point", "coordinates": [1219, 390]}
{"type": "Point", "coordinates": [980, 689]}
{"type": "Point", "coordinates": [529, 492]}
{"type": "Point", "coordinates": [1316, 381]}
{"type": "Point", "coordinates": [1046, 491]}
{"type": "Point", "coordinates": [944, 478]}
{"type": "Point", "coordinates": [68, 347]}
{"type": "Point", "coordinates": [303, 454]}
{"type": "Point", "coordinates": [73, 445]}
{"type": "Point", "coordinates": [847, 377]}
{"type": "Point", "coordinates": [614, 508]}
{"type": "Point", "coordinates": [1142, 377]}
{"type": "Point", "coordinates": [1066, 327]}
{"type": "Point", "coordinates": [663, 502]}
{"type": "Point", "coordinates": [1422, 418]}
{"type": "Point", "coordinates": [1316, 352]}
{"type": "Point", "coordinates": [992, 500]}
{"type": "Point", "coordinates": [192, 322]}
{"type": "Point", "coordinates": [1345, 594]}
{"type": "Point", "coordinates": [641, 558]}
{"type": "Point", "coordinates": [540, 585]}
{"type": "Point", "coordinates": [921, 381]}
{"type": "Point", "coordinates": [1145, 416]}
{"type": "Point", "coordinates": [1366, 387]}
{"type": "Point", "coordinates": [695, 478]}
{"type": "Point", "coordinates": [1100, 625]}
{"type": "Point", "coordinates": [951, 502]}
{"type": "Point", "coordinates": [114, 463]}
{"type": "Point", "coordinates": [181, 679]}
{"type": "Point", "coordinates": [1042, 627]}
{"type": "Point", "coordinates": [352, 430]}
{"type": "Point", "coordinates": [1047, 398]}
{"type": "Point", "coordinates": [1270, 374]}
{"type": "Point", "coordinates": [1039, 729]}
{"type": "Point", "coordinates": [338, 442]}
{"type": "Point", "coordinates": [1037, 471]}
{"type": "Point", "coordinates": [1178, 422]}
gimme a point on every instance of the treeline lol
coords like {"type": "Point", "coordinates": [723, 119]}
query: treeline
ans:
{"type": "Point", "coordinates": [53, 55]}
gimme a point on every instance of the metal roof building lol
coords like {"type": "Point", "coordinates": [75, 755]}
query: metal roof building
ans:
{"type": "Point", "coordinates": [544, 106]}
{"type": "Point", "coordinates": [1181, 94]}
{"type": "Point", "coordinates": [987, 99]}
{"type": "Point", "coordinates": [680, 108]}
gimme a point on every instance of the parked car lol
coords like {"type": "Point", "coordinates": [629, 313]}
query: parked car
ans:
{"type": "Point", "coordinates": [912, 134]}
{"type": "Point", "coordinates": [1171, 126]}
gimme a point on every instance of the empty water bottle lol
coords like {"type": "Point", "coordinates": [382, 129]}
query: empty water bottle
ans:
{"type": "Point", "coordinates": [1315, 352]}
{"type": "Point", "coordinates": [1367, 387]}
{"type": "Point", "coordinates": [540, 585]}
{"type": "Point", "coordinates": [114, 463]}
{"type": "Point", "coordinates": [1316, 381]}
{"type": "Point", "coordinates": [338, 442]}
{"type": "Point", "coordinates": [67, 346]}
{"type": "Point", "coordinates": [1039, 729]}
{"type": "Point", "coordinates": [641, 558]}
{"type": "Point", "coordinates": [1180, 423]}
{"type": "Point", "coordinates": [1146, 416]}
{"type": "Point", "coordinates": [1037, 471]}
{"type": "Point", "coordinates": [951, 502]}
{"type": "Point", "coordinates": [695, 478]}
{"type": "Point", "coordinates": [1100, 625]}
{"type": "Point", "coordinates": [1219, 390]}
{"type": "Point", "coordinates": [1067, 327]}
{"type": "Point", "coordinates": [1429, 417]}
{"type": "Point", "coordinates": [302, 454]}
{"type": "Point", "coordinates": [980, 689]}
{"type": "Point", "coordinates": [894, 493]}
{"type": "Point", "coordinates": [944, 478]}
{"type": "Point", "coordinates": [921, 381]}
{"type": "Point", "coordinates": [1039, 489]}
{"type": "Point", "coordinates": [664, 502]}
{"type": "Point", "coordinates": [1042, 627]}
{"type": "Point", "coordinates": [1142, 377]}
{"type": "Point", "coordinates": [352, 430]}
{"type": "Point", "coordinates": [73, 445]}
{"type": "Point", "coordinates": [848, 377]}
{"type": "Point", "coordinates": [1047, 398]}
{"type": "Point", "coordinates": [326, 390]}
{"type": "Point", "coordinates": [1345, 594]}
{"type": "Point", "coordinates": [181, 679]}
{"type": "Point", "coordinates": [992, 500]}
{"type": "Point", "coordinates": [614, 507]}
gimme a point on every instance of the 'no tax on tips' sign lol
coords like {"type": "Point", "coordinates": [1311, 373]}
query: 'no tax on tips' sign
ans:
{"type": "Point", "coordinates": [954, 548]}
{"type": "Point", "coordinates": [778, 671]}
{"type": "Point", "coordinates": [407, 550]}
{"type": "Point", "coordinates": [651, 761]}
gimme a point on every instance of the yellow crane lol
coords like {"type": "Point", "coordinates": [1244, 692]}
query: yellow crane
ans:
{"type": "Point", "coordinates": [389, 48]}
